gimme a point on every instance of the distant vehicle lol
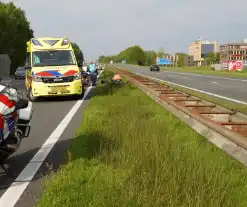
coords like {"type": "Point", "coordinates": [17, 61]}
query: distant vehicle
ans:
{"type": "Point", "coordinates": [101, 67]}
{"type": "Point", "coordinates": [97, 66]}
{"type": "Point", "coordinates": [154, 67]}
{"type": "Point", "coordinates": [20, 73]}
{"type": "Point", "coordinates": [139, 62]}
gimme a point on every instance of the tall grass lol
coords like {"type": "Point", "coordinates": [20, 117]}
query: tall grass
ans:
{"type": "Point", "coordinates": [129, 151]}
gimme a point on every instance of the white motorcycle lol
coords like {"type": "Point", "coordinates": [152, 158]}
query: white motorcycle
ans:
{"type": "Point", "coordinates": [15, 117]}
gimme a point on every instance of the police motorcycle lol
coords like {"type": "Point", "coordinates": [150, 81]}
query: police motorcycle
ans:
{"type": "Point", "coordinates": [15, 117]}
{"type": "Point", "coordinates": [85, 77]}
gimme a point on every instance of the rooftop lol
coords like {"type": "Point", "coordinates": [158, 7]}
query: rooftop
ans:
{"type": "Point", "coordinates": [243, 42]}
{"type": "Point", "coordinates": [240, 43]}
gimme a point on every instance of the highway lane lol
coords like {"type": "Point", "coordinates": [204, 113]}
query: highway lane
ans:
{"type": "Point", "coordinates": [46, 117]}
{"type": "Point", "coordinates": [232, 88]}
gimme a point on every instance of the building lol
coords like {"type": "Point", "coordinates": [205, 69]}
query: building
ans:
{"type": "Point", "coordinates": [189, 60]}
{"type": "Point", "coordinates": [234, 51]}
{"type": "Point", "coordinates": [200, 48]}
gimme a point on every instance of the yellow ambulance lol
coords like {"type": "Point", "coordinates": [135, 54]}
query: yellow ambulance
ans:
{"type": "Point", "coordinates": [52, 69]}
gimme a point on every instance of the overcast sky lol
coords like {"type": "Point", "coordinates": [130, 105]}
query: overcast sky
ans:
{"type": "Point", "coordinates": [109, 26]}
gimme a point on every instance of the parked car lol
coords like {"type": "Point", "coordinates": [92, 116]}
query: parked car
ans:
{"type": "Point", "coordinates": [101, 67]}
{"type": "Point", "coordinates": [20, 73]}
{"type": "Point", "coordinates": [154, 67]}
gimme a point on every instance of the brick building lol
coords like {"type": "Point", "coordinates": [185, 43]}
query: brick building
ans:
{"type": "Point", "coordinates": [233, 51]}
{"type": "Point", "coordinates": [189, 60]}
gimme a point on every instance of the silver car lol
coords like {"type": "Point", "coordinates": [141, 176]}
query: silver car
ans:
{"type": "Point", "coordinates": [20, 73]}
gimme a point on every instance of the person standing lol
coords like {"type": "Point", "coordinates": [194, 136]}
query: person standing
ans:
{"type": "Point", "coordinates": [92, 73]}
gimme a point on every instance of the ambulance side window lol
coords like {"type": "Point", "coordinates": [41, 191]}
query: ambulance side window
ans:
{"type": "Point", "coordinates": [28, 60]}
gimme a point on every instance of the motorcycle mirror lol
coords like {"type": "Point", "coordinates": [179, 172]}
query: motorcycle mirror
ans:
{"type": "Point", "coordinates": [21, 104]}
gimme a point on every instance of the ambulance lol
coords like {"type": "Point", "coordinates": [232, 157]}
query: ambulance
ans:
{"type": "Point", "coordinates": [52, 69]}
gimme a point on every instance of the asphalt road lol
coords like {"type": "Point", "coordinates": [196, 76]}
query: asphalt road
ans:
{"type": "Point", "coordinates": [232, 88]}
{"type": "Point", "coordinates": [46, 117]}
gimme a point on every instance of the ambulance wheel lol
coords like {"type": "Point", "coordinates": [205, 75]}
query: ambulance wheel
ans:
{"type": "Point", "coordinates": [30, 96]}
{"type": "Point", "coordinates": [79, 97]}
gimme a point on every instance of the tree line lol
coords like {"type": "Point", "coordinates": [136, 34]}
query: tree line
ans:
{"type": "Point", "coordinates": [132, 55]}
{"type": "Point", "coordinates": [136, 55]}
{"type": "Point", "coordinates": [15, 31]}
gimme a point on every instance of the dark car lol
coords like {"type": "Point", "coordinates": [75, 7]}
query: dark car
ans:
{"type": "Point", "coordinates": [154, 67]}
{"type": "Point", "coordinates": [20, 73]}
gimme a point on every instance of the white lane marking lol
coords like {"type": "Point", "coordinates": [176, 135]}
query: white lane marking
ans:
{"type": "Point", "coordinates": [214, 82]}
{"type": "Point", "coordinates": [14, 192]}
{"type": "Point", "coordinates": [205, 92]}
{"type": "Point", "coordinates": [206, 76]}
{"type": "Point", "coordinates": [183, 77]}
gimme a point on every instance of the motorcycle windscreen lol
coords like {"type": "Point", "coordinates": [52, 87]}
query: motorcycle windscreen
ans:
{"type": "Point", "coordinates": [5, 110]}
{"type": "Point", "coordinates": [7, 102]}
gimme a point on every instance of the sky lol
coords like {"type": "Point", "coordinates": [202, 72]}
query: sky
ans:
{"type": "Point", "coordinates": [107, 27]}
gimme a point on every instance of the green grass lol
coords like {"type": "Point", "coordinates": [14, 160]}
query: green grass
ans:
{"type": "Point", "coordinates": [131, 152]}
{"type": "Point", "coordinates": [205, 70]}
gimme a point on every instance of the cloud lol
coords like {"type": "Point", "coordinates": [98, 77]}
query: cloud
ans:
{"type": "Point", "coordinates": [112, 25]}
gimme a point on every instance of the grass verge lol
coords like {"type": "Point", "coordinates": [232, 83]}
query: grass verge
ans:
{"type": "Point", "coordinates": [129, 151]}
{"type": "Point", "coordinates": [205, 70]}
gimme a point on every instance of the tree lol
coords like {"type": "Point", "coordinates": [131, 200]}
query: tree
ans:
{"type": "Point", "coordinates": [104, 59]}
{"type": "Point", "coordinates": [78, 53]}
{"type": "Point", "coordinates": [150, 57]}
{"type": "Point", "coordinates": [181, 59]}
{"type": "Point", "coordinates": [15, 31]}
{"type": "Point", "coordinates": [217, 57]}
{"type": "Point", "coordinates": [133, 55]}
{"type": "Point", "coordinates": [210, 58]}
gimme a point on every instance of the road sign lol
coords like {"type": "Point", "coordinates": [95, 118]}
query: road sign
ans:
{"type": "Point", "coordinates": [164, 61]}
